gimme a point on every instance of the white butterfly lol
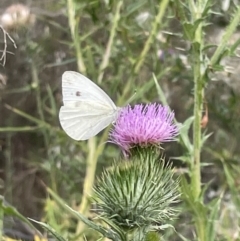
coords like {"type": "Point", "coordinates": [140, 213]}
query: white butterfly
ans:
{"type": "Point", "coordinates": [87, 108]}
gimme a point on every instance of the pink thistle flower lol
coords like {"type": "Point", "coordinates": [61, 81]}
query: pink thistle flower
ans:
{"type": "Point", "coordinates": [143, 125]}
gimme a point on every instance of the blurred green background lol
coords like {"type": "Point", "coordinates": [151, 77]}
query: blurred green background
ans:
{"type": "Point", "coordinates": [104, 40]}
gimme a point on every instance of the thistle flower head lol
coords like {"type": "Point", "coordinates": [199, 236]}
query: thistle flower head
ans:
{"type": "Point", "coordinates": [137, 193]}
{"type": "Point", "coordinates": [143, 125]}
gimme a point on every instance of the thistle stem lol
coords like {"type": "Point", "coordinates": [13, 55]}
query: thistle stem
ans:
{"type": "Point", "coordinates": [199, 84]}
{"type": "Point", "coordinates": [197, 56]}
{"type": "Point", "coordinates": [155, 24]}
{"type": "Point", "coordinates": [113, 32]}
{"type": "Point", "coordinates": [229, 31]}
{"type": "Point", "coordinates": [199, 72]}
{"type": "Point", "coordinates": [73, 21]}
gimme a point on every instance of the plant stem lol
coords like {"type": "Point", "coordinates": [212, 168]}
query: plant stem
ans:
{"type": "Point", "coordinates": [229, 31]}
{"type": "Point", "coordinates": [90, 172]}
{"type": "Point", "coordinates": [155, 24]}
{"type": "Point", "coordinates": [74, 23]}
{"type": "Point", "coordinates": [196, 171]}
{"type": "Point", "coordinates": [9, 168]}
{"type": "Point", "coordinates": [36, 86]}
{"type": "Point", "coordinates": [40, 123]}
{"type": "Point", "coordinates": [94, 153]}
{"type": "Point", "coordinates": [201, 228]}
{"type": "Point", "coordinates": [107, 53]}
{"type": "Point", "coordinates": [19, 129]}
{"type": "Point", "coordinates": [1, 222]}
{"type": "Point", "coordinates": [88, 182]}
{"type": "Point", "coordinates": [197, 57]}
{"type": "Point", "coordinates": [198, 76]}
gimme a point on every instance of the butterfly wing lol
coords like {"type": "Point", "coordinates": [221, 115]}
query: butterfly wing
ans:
{"type": "Point", "coordinates": [82, 124]}
{"type": "Point", "coordinates": [87, 108]}
{"type": "Point", "coordinates": [76, 87]}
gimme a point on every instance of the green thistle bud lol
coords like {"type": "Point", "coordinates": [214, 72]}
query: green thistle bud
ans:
{"type": "Point", "coordinates": [138, 193]}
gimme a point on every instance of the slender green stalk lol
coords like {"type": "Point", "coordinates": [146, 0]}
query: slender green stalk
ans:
{"type": "Point", "coordinates": [197, 57]}
{"type": "Point", "coordinates": [155, 25]}
{"type": "Point", "coordinates": [88, 181]}
{"type": "Point", "coordinates": [198, 75]}
{"type": "Point", "coordinates": [28, 117]}
{"type": "Point", "coordinates": [1, 223]}
{"type": "Point", "coordinates": [107, 54]}
{"type": "Point", "coordinates": [36, 86]}
{"type": "Point", "coordinates": [73, 21]}
{"type": "Point", "coordinates": [18, 90]}
{"type": "Point", "coordinates": [19, 129]}
{"type": "Point", "coordinates": [94, 153]}
{"type": "Point", "coordinates": [192, 8]}
{"type": "Point", "coordinates": [229, 31]}
{"type": "Point", "coordinates": [45, 131]}
{"type": "Point", "coordinates": [198, 98]}
{"type": "Point", "coordinates": [201, 228]}
{"type": "Point", "coordinates": [9, 168]}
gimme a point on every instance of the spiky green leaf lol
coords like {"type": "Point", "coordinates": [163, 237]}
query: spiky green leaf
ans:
{"type": "Point", "coordinates": [50, 230]}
